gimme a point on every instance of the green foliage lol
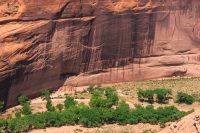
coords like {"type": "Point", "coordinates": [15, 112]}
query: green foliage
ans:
{"type": "Point", "coordinates": [162, 95]}
{"type": "Point", "coordinates": [26, 108]}
{"type": "Point", "coordinates": [184, 98]}
{"type": "Point", "coordinates": [22, 100]}
{"type": "Point", "coordinates": [49, 106]}
{"type": "Point", "coordinates": [111, 95]}
{"type": "Point", "coordinates": [141, 94]}
{"type": "Point", "coordinates": [104, 98]}
{"type": "Point", "coordinates": [3, 126]}
{"type": "Point", "coordinates": [121, 114]}
{"type": "Point", "coordinates": [69, 102]}
{"type": "Point", "coordinates": [93, 117]}
{"type": "Point", "coordinates": [60, 107]}
{"type": "Point", "coordinates": [46, 95]}
{"type": "Point", "coordinates": [91, 89]}
{"type": "Point", "coordinates": [146, 95]}
{"type": "Point", "coordinates": [18, 114]}
{"type": "Point", "coordinates": [96, 90]}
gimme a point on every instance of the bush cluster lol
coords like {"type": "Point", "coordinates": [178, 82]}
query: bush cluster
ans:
{"type": "Point", "coordinates": [93, 117]}
{"type": "Point", "coordinates": [46, 95]}
{"type": "Point", "coordinates": [103, 97]}
{"type": "Point", "coordinates": [184, 98]}
{"type": "Point", "coordinates": [69, 102]}
{"type": "Point", "coordinates": [162, 95]}
{"type": "Point", "coordinates": [26, 108]}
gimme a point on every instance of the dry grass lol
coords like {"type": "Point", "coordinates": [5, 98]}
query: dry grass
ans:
{"type": "Point", "coordinates": [188, 85]}
{"type": "Point", "coordinates": [128, 91]}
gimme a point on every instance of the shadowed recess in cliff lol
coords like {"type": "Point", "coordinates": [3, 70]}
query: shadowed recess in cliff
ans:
{"type": "Point", "coordinates": [4, 89]}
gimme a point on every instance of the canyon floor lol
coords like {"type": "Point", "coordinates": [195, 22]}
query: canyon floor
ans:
{"type": "Point", "coordinates": [128, 91]}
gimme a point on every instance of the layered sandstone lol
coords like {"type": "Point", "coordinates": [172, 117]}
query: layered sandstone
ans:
{"type": "Point", "coordinates": [53, 43]}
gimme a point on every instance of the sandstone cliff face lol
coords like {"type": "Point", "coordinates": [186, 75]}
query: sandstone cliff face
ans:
{"type": "Point", "coordinates": [53, 43]}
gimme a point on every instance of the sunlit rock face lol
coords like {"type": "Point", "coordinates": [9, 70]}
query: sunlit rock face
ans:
{"type": "Point", "coordinates": [55, 43]}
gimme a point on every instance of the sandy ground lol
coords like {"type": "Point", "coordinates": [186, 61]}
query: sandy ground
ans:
{"type": "Point", "coordinates": [139, 128]}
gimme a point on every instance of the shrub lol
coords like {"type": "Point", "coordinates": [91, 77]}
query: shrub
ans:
{"type": "Point", "coordinates": [69, 102]}
{"type": "Point", "coordinates": [122, 113]}
{"type": "Point", "coordinates": [22, 99]}
{"type": "Point", "coordinates": [184, 98]}
{"type": "Point", "coordinates": [18, 114]}
{"type": "Point", "coordinates": [3, 126]}
{"type": "Point", "coordinates": [104, 98]}
{"type": "Point", "coordinates": [111, 95]}
{"type": "Point", "coordinates": [97, 101]}
{"type": "Point", "coordinates": [18, 125]}
{"type": "Point", "coordinates": [108, 115]}
{"type": "Point", "coordinates": [60, 107]}
{"type": "Point", "coordinates": [100, 102]}
{"type": "Point", "coordinates": [91, 117]}
{"type": "Point", "coordinates": [26, 108]}
{"type": "Point", "coordinates": [98, 90]}
{"type": "Point", "coordinates": [49, 106]}
{"type": "Point", "coordinates": [146, 95]}
{"type": "Point", "coordinates": [162, 95]}
{"type": "Point", "coordinates": [46, 95]}
{"type": "Point", "coordinates": [141, 95]}
{"type": "Point", "coordinates": [149, 95]}
{"type": "Point", "coordinates": [91, 89]}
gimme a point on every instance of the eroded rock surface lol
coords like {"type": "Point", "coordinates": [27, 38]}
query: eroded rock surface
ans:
{"type": "Point", "coordinates": [53, 43]}
{"type": "Point", "coordinates": [188, 124]}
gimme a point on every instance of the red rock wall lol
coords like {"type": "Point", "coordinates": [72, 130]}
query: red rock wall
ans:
{"type": "Point", "coordinates": [54, 43]}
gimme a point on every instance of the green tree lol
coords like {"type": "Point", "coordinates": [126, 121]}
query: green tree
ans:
{"type": "Point", "coordinates": [46, 95]}
{"type": "Point", "coordinates": [121, 114]}
{"type": "Point", "coordinates": [3, 126]}
{"type": "Point", "coordinates": [111, 95]}
{"type": "Point", "coordinates": [18, 114]}
{"type": "Point", "coordinates": [104, 98]}
{"type": "Point", "coordinates": [184, 98]}
{"type": "Point", "coordinates": [60, 107]}
{"type": "Point", "coordinates": [149, 95]}
{"type": "Point", "coordinates": [91, 89]}
{"type": "Point", "coordinates": [141, 95]}
{"type": "Point", "coordinates": [69, 102]}
{"type": "Point", "coordinates": [162, 95]}
{"type": "Point", "coordinates": [26, 108]}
